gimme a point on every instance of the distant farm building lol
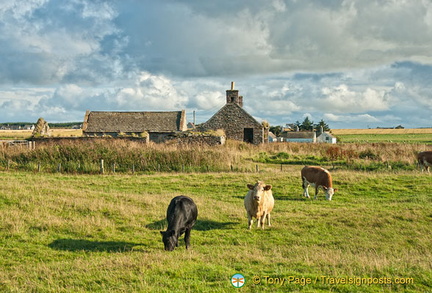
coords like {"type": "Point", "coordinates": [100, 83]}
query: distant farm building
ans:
{"type": "Point", "coordinates": [326, 137]}
{"type": "Point", "coordinates": [272, 137]}
{"type": "Point", "coordinates": [235, 121]}
{"type": "Point", "coordinates": [307, 136]}
{"type": "Point", "coordinates": [298, 136]}
{"type": "Point", "coordinates": [158, 125]}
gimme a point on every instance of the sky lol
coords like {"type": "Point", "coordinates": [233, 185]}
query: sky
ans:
{"type": "Point", "coordinates": [353, 64]}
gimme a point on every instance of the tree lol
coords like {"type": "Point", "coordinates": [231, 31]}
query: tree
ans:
{"type": "Point", "coordinates": [276, 130]}
{"type": "Point", "coordinates": [323, 125]}
{"type": "Point", "coordinates": [306, 125]}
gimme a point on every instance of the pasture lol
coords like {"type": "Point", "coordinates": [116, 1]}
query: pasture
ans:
{"type": "Point", "coordinates": [100, 233]}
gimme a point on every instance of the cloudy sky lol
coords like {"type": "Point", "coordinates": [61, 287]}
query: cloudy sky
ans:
{"type": "Point", "coordinates": [354, 64]}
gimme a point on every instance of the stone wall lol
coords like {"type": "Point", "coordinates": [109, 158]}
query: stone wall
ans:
{"type": "Point", "coordinates": [209, 140]}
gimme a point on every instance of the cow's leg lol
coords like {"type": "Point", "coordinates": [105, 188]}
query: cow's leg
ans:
{"type": "Point", "coordinates": [421, 165]}
{"type": "Point", "coordinates": [305, 186]}
{"type": "Point", "coordinates": [316, 191]}
{"type": "Point", "coordinates": [249, 221]}
{"type": "Point", "coordinates": [263, 220]}
{"type": "Point", "coordinates": [268, 217]}
{"type": "Point", "coordinates": [187, 237]}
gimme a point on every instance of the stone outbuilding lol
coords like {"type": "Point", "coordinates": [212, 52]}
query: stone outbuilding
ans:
{"type": "Point", "coordinates": [157, 125]}
{"type": "Point", "coordinates": [235, 121]}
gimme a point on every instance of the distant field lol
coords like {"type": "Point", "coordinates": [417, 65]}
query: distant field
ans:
{"type": "Point", "coordinates": [24, 134]}
{"type": "Point", "coordinates": [382, 131]}
{"type": "Point", "coordinates": [420, 135]}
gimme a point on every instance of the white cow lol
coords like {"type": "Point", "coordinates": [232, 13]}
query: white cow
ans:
{"type": "Point", "coordinates": [259, 202]}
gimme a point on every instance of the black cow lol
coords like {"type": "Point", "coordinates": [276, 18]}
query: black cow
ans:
{"type": "Point", "coordinates": [181, 216]}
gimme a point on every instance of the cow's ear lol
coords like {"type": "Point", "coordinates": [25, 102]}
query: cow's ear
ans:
{"type": "Point", "coordinates": [267, 187]}
{"type": "Point", "coordinates": [171, 233]}
{"type": "Point", "coordinates": [162, 232]}
{"type": "Point", "coordinates": [250, 186]}
{"type": "Point", "coordinates": [335, 189]}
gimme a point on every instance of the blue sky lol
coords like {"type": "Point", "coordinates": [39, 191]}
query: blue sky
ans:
{"type": "Point", "coordinates": [355, 64]}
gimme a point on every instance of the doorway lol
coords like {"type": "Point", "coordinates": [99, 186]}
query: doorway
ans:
{"type": "Point", "coordinates": [248, 135]}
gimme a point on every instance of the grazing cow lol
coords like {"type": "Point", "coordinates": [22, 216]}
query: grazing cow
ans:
{"type": "Point", "coordinates": [259, 203]}
{"type": "Point", "coordinates": [319, 178]}
{"type": "Point", "coordinates": [425, 160]}
{"type": "Point", "coordinates": [181, 216]}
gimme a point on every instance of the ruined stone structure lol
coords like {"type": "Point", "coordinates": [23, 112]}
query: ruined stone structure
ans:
{"type": "Point", "coordinates": [235, 121]}
{"type": "Point", "coordinates": [158, 125]}
{"type": "Point", "coordinates": [41, 129]}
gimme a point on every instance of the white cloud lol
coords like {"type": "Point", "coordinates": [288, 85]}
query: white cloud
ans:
{"type": "Point", "coordinates": [351, 118]}
{"type": "Point", "coordinates": [341, 99]}
{"type": "Point", "coordinates": [345, 58]}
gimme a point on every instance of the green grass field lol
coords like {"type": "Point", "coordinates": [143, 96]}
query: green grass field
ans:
{"type": "Point", "coordinates": [100, 233]}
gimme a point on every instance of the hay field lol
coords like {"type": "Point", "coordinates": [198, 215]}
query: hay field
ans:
{"type": "Point", "coordinates": [382, 131]}
{"type": "Point", "coordinates": [24, 134]}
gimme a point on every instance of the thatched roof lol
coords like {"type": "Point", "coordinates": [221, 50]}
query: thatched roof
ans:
{"type": "Point", "coordinates": [134, 122]}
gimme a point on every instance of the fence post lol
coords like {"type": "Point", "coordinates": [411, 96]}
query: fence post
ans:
{"type": "Point", "coordinates": [101, 166]}
{"type": "Point", "coordinates": [256, 168]}
{"type": "Point", "coordinates": [114, 168]}
{"type": "Point", "coordinates": [8, 165]}
{"type": "Point", "coordinates": [59, 167]}
{"type": "Point", "coordinates": [39, 167]}
{"type": "Point", "coordinates": [133, 168]}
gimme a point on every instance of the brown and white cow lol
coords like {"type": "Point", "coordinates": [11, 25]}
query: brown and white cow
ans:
{"type": "Point", "coordinates": [317, 177]}
{"type": "Point", "coordinates": [259, 203]}
{"type": "Point", "coordinates": [424, 160]}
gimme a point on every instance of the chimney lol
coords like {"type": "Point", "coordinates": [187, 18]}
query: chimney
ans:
{"type": "Point", "coordinates": [233, 97]}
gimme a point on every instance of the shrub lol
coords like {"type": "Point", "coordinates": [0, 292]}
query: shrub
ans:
{"type": "Point", "coordinates": [368, 154]}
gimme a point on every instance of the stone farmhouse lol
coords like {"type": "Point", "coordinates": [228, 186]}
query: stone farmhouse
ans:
{"type": "Point", "coordinates": [235, 121]}
{"type": "Point", "coordinates": [158, 125]}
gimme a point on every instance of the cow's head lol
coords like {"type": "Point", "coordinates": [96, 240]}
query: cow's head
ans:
{"type": "Point", "coordinates": [258, 190]}
{"type": "Point", "coordinates": [169, 239]}
{"type": "Point", "coordinates": [329, 192]}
